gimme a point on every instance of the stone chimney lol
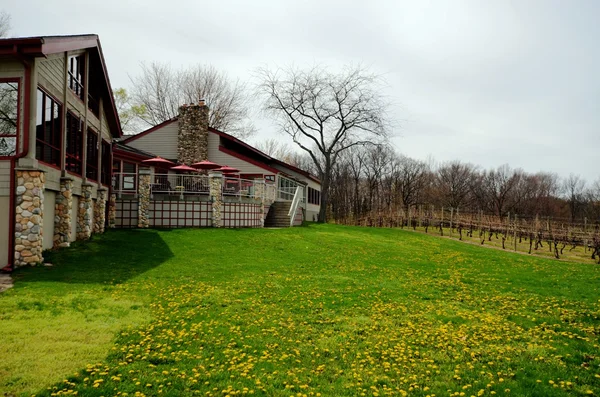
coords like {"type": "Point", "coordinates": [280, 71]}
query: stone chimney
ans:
{"type": "Point", "coordinates": [192, 140]}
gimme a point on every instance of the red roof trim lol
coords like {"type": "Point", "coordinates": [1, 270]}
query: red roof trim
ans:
{"type": "Point", "coordinates": [122, 154]}
{"type": "Point", "coordinates": [249, 160]}
{"type": "Point", "coordinates": [291, 167]}
{"type": "Point", "coordinates": [236, 140]}
{"type": "Point", "coordinates": [156, 127]}
{"type": "Point", "coordinates": [298, 170]}
{"type": "Point", "coordinates": [45, 45]}
{"type": "Point", "coordinates": [53, 45]}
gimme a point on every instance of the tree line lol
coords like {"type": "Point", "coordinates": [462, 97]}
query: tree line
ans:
{"type": "Point", "coordinates": [377, 179]}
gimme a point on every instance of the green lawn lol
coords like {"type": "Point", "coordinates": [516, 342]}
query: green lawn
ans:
{"type": "Point", "coordinates": [320, 310]}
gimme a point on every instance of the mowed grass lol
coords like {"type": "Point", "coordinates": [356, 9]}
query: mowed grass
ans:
{"type": "Point", "coordinates": [320, 310]}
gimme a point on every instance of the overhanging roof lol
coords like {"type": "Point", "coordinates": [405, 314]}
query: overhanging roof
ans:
{"type": "Point", "coordinates": [42, 46]}
{"type": "Point", "coordinates": [265, 157]}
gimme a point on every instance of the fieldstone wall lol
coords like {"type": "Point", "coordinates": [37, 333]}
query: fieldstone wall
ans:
{"type": "Point", "coordinates": [29, 216]}
{"type": "Point", "coordinates": [259, 193]}
{"type": "Point", "coordinates": [100, 211]}
{"type": "Point", "coordinates": [192, 141]}
{"type": "Point", "coordinates": [144, 199]}
{"type": "Point", "coordinates": [62, 213]}
{"type": "Point", "coordinates": [112, 210]}
{"type": "Point", "coordinates": [215, 180]}
{"type": "Point", "coordinates": [84, 220]}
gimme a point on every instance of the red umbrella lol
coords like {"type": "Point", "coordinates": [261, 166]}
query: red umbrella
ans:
{"type": "Point", "coordinates": [206, 165]}
{"type": "Point", "coordinates": [227, 170]}
{"type": "Point", "coordinates": [159, 162]}
{"type": "Point", "coordinates": [184, 168]}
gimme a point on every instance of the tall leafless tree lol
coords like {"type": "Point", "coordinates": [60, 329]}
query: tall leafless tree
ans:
{"type": "Point", "coordinates": [453, 182]}
{"type": "Point", "coordinates": [160, 90]}
{"type": "Point", "coordinates": [411, 180]}
{"type": "Point", "coordinates": [275, 148]}
{"type": "Point", "coordinates": [574, 192]}
{"type": "Point", "coordinates": [325, 113]}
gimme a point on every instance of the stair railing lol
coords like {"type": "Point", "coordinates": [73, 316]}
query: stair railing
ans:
{"type": "Point", "coordinates": [295, 203]}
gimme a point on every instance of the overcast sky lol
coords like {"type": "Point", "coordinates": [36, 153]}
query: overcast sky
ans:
{"type": "Point", "coordinates": [480, 81]}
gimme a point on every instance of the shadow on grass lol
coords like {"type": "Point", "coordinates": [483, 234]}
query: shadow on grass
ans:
{"type": "Point", "coordinates": [111, 258]}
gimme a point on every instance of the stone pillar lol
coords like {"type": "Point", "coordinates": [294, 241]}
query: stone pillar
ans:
{"type": "Point", "coordinates": [192, 139]}
{"type": "Point", "coordinates": [144, 198]}
{"type": "Point", "coordinates": [62, 213]}
{"type": "Point", "coordinates": [215, 180]}
{"type": "Point", "coordinates": [84, 220]}
{"type": "Point", "coordinates": [100, 210]}
{"type": "Point", "coordinates": [259, 194]}
{"type": "Point", "coordinates": [29, 217]}
{"type": "Point", "coordinates": [112, 211]}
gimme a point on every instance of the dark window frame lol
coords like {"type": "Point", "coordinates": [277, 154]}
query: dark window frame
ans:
{"type": "Point", "coordinates": [314, 196]}
{"type": "Point", "coordinates": [91, 159]}
{"type": "Point", "coordinates": [16, 135]}
{"type": "Point", "coordinates": [107, 163]}
{"type": "Point", "coordinates": [52, 142]}
{"type": "Point", "coordinates": [74, 137]}
{"type": "Point", "coordinates": [76, 75]}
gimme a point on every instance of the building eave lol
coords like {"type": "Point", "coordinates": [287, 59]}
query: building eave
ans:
{"type": "Point", "coordinates": [42, 46]}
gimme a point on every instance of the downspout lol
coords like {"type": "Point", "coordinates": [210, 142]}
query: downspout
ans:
{"type": "Point", "coordinates": [12, 218]}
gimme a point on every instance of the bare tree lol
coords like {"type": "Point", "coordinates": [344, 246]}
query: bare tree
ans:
{"type": "Point", "coordinates": [275, 148]}
{"type": "Point", "coordinates": [4, 23]}
{"type": "Point", "coordinates": [453, 183]}
{"type": "Point", "coordinates": [499, 185]}
{"type": "Point", "coordinates": [160, 90]}
{"type": "Point", "coordinates": [325, 113]}
{"type": "Point", "coordinates": [574, 191]}
{"type": "Point", "coordinates": [411, 180]}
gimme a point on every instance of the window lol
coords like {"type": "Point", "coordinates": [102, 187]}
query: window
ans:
{"type": "Point", "coordinates": [91, 167]}
{"type": "Point", "coordinates": [9, 117]}
{"type": "Point", "coordinates": [48, 129]}
{"type": "Point", "coordinates": [106, 163]}
{"type": "Point", "coordinates": [77, 74]}
{"type": "Point", "coordinates": [74, 158]}
{"type": "Point", "coordinates": [314, 196]}
{"type": "Point", "coordinates": [287, 188]}
{"type": "Point", "coordinates": [129, 175]}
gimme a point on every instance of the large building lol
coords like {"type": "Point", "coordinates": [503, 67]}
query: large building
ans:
{"type": "Point", "coordinates": [58, 180]}
{"type": "Point", "coordinates": [187, 139]}
{"type": "Point", "coordinates": [57, 123]}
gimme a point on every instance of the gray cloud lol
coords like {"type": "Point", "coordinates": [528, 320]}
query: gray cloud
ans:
{"type": "Point", "coordinates": [484, 82]}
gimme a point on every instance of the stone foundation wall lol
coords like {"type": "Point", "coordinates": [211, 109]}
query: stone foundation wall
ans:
{"type": "Point", "coordinates": [84, 220]}
{"type": "Point", "coordinates": [112, 210]}
{"type": "Point", "coordinates": [100, 211]}
{"type": "Point", "coordinates": [144, 200]}
{"type": "Point", "coordinates": [29, 217]}
{"type": "Point", "coordinates": [62, 213]}
{"type": "Point", "coordinates": [192, 140]}
{"type": "Point", "coordinates": [259, 193]}
{"type": "Point", "coordinates": [216, 195]}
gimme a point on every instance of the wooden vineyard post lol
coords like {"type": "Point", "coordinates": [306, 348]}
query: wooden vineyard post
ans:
{"type": "Point", "coordinates": [515, 231]}
{"type": "Point", "coordinates": [451, 216]}
{"type": "Point", "coordinates": [585, 240]}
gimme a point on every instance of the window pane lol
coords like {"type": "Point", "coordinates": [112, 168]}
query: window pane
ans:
{"type": "Point", "coordinates": [128, 168]}
{"type": "Point", "coordinates": [9, 102]}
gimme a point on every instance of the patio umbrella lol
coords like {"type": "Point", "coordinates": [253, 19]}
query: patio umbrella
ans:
{"type": "Point", "coordinates": [184, 168]}
{"type": "Point", "coordinates": [227, 170]}
{"type": "Point", "coordinates": [206, 165]}
{"type": "Point", "coordinates": [159, 162]}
